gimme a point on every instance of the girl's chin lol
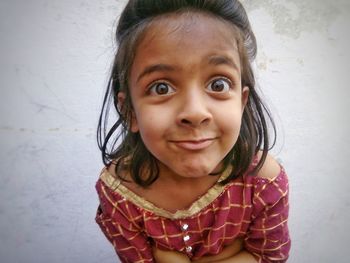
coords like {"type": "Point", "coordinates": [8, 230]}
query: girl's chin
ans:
{"type": "Point", "coordinates": [192, 170]}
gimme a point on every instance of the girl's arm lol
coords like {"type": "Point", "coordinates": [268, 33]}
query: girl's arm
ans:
{"type": "Point", "coordinates": [162, 256]}
{"type": "Point", "coordinates": [241, 257]}
{"type": "Point", "coordinates": [267, 238]}
{"type": "Point", "coordinates": [228, 252]}
{"type": "Point", "coordinates": [177, 257]}
{"type": "Point", "coordinates": [119, 224]}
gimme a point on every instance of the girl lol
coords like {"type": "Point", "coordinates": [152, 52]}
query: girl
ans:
{"type": "Point", "coordinates": [188, 177]}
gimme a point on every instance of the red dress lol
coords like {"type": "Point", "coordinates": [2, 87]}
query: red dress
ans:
{"type": "Point", "coordinates": [250, 207]}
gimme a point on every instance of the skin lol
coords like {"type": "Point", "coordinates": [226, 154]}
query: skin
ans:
{"type": "Point", "coordinates": [190, 127]}
{"type": "Point", "coordinates": [185, 86]}
{"type": "Point", "coordinates": [229, 251]}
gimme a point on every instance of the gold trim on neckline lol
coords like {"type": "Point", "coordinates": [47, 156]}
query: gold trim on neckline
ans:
{"type": "Point", "coordinates": [115, 185]}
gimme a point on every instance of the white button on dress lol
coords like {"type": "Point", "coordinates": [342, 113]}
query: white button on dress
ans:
{"type": "Point", "coordinates": [188, 249]}
{"type": "Point", "coordinates": [186, 238]}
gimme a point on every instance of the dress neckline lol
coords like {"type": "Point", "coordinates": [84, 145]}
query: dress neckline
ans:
{"type": "Point", "coordinates": [198, 205]}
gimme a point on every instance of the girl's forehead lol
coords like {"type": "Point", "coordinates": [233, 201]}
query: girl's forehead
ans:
{"type": "Point", "coordinates": [181, 26]}
{"type": "Point", "coordinates": [186, 42]}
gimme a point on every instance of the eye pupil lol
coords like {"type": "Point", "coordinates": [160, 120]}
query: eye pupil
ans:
{"type": "Point", "coordinates": [218, 85]}
{"type": "Point", "coordinates": [161, 89]}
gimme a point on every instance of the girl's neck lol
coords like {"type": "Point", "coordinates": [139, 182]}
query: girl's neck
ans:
{"type": "Point", "coordinates": [168, 177]}
{"type": "Point", "coordinates": [170, 191]}
{"type": "Point", "coordinates": [174, 193]}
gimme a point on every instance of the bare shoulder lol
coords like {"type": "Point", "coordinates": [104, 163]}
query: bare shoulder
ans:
{"type": "Point", "coordinates": [270, 169]}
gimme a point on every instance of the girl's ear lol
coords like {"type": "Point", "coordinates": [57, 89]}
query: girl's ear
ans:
{"type": "Point", "coordinates": [133, 123]}
{"type": "Point", "coordinates": [245, 95]}
{"type": "Point", "coordinates": [121, 100]}
{"type": "Point", "coordinates": [123, 111]}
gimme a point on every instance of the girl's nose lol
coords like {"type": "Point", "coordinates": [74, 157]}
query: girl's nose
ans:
{"type": "Point", "coordinates": [194, 110]}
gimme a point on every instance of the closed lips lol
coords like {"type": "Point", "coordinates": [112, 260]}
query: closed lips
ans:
{"type": "Point", "coordinates": [194, 144]}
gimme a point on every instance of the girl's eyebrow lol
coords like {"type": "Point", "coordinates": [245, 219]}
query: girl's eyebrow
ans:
{"type": "Point", "coordinates": [213, 60]}
{"type": "Point", "coordinates": [156, 67]}
{"type": "Point", "coordinates": [223, 60]}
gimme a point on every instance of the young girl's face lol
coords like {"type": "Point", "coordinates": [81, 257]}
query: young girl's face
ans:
{"type": "Point", "coordinates": [185, 87]}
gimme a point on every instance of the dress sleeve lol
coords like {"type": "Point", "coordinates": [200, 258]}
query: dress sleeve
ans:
{"type": "Point", "coordinates": [118, 220]}
{"type": "Point", "coordinates": [268, 236]}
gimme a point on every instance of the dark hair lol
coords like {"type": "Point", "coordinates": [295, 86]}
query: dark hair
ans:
{"type": "Point", "coordinates": [126, 148]}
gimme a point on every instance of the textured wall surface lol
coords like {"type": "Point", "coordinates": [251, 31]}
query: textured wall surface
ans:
{"type": "Point", "coordinates": [55, 57]}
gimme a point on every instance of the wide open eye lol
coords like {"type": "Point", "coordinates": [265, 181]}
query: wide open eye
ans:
{"type": "Point", "coordinates": [161, 88]}
{"type": "Point", "coordinates": [220, 85]}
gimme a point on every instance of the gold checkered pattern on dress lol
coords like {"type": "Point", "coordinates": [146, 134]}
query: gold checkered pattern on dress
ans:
{"type": "Point", "coordinates": [252, 208]}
